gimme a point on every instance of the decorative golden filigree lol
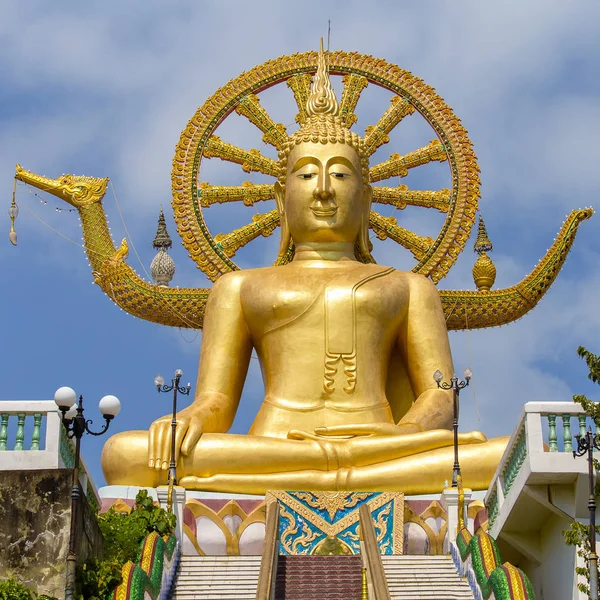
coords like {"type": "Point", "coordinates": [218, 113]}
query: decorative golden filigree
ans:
{"type": "Point", "coordinates": [288, 501]}
{"type": "Point", "coordinates": [248, 193]}
{"type": "Point", "coordinates": [398, 166]}
{"type": "Point", "coordinates": [332, 502]}
{"type": "Point", "coordinates": [401, 197]}
{"type": "Point", "coordinates": [377, 135]}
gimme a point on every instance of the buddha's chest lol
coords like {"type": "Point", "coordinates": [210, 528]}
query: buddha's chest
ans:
{"type": "Point", "coordinates": [341, 304]}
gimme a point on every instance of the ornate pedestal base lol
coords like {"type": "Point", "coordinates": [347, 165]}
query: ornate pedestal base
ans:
{"type": "Point", "coordinates": [234, 524]}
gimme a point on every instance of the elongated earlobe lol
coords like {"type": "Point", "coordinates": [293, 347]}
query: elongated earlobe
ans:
{"type": "Point", "coordinates": [286, 238]}
{"type": "Point", "coordinates": [363, 234]}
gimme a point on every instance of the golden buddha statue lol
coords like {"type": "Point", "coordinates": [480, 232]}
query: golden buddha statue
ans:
{"type": "Point", "coordinates": [347, 347]}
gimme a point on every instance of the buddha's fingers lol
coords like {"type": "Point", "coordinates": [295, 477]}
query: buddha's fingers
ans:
{"type": "Point", "coordinates": [298, 434]}
{"type": "Point", "coordinates": [151, 443]}
{"type": "Point", "coordinates": [472, 437]}
{"type": "Point", "coordinates": [180, 433]}
{"type": "Point", "coordinates": [387, 429]}
{"type": "Point", "coordinates": [356, 429]}
{"type": "Point", "coordinates": [158, 432]}
{"type": "Point", "coordinates": [192, 435]}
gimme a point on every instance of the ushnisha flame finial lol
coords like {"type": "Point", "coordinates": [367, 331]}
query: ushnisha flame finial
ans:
{"type": "Point", "coordinates": [322, 100]}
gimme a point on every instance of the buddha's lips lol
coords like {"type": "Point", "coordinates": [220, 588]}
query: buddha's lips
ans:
{"type": "Point", "coordinates": [324, 212]}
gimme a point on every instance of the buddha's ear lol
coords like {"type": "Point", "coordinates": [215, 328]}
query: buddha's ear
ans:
{"type": "Point", "coordinates": [363, 234]}
{"type": "Point", "coordinates": [285, 230]}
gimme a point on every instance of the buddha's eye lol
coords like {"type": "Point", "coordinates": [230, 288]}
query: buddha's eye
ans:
{"type": "Point", "coordinates": [307, 175]}
{"type": "Point", "coordinates": [338, 175]}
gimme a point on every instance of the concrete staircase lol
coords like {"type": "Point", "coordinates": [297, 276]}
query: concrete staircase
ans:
{"type": "Point", "coordinates": [318, 578]}
{"type": "Point", "coordinates": [424, 578]}
{"type": "Point", "coordinates": [322, 577]}
{"type": "Point", "coordinates": [208, 577]}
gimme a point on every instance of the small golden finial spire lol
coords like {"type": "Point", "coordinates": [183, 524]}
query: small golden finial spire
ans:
{"type": "Point", "coordinates": [484, 270]}
{"type": "Point", "coordinates": [322, 100]}
{"type": "Point", "coordinates": [483, 242]}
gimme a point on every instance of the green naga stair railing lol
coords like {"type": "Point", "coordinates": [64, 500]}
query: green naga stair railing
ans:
{"type": "Point", "coordinates": [485, 572]}
{"type": "Point", "coordinates": [154, 572]}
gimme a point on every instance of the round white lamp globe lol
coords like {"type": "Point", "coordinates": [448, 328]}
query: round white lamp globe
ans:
{"type": "Point", "coordinates": [110, 406]}
{"type": "Point", "coordinates": [65, 397]}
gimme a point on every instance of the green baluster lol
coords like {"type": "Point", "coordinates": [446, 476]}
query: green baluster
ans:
{"type": "Point", "coordinates": [582, 425]}
{"type": "Point", "coordinates": [3, 431]}
{"type": "Point", "coordinates": [568, 447]}
{"type": "Point", "coordinates": [552, 433]}
{"type": "Point", "coordinates": [35, 437]}
{"type": "Point", "coordinates": [20, 431]}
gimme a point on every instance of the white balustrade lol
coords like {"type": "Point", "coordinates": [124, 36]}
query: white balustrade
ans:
{"type": "Point", "coordinates": [537, 454]}
{"type": "Point", "coordinates": [55, 451]}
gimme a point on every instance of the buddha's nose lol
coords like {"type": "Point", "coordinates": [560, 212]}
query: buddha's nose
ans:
{"type": "Point", "coordinates": [324, 193]}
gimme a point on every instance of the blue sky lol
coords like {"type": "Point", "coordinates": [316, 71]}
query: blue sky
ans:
{"type": "Point", "coordinates": [105, 89]}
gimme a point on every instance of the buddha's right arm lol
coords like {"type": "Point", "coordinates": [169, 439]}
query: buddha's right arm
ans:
{"type": "Point", "coordinates": [224, 356]}
{"type": "Point", "coordinates": [224, 360]}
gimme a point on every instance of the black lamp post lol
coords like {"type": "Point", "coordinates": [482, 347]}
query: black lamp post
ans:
{"type": "Point", "coordinates": [455, 385]}
{"type": "Point", "coordinates": [586, 445]}
{"type": "Point", "coordinates": [159, 382]}
{"type": "Point", "coordinates": [76, 425]}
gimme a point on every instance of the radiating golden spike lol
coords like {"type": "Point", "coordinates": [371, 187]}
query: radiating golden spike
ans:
{"type": "Point", "coordinates": [251, 160]}
{"type": "Point", "coordinates": [251, 108]}
{"type": "Point", "coordinates": [398, 166]}
{"type": "Point", "coordinates": [322, 100]}
{"type": "Point", "coordinates": [264, 225]}
{"type": "Point", "coordinates": [249, 193]}
{"type": "Point", "coordinates": [386, 227]}
{"type": "Point", "coordinates": [377, 135]}
{"type": "Point", "coordinates": [353, 87]}
{"type": "Point", "coordinates": [300, 85]}
{"type": "Point", "coordinates": [401, 197]}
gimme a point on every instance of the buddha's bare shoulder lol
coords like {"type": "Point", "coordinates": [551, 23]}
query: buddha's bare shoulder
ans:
{"type": "Point", "coordinates": [231, 283]}
{"type": "Point", "coordinates": [414, 280]}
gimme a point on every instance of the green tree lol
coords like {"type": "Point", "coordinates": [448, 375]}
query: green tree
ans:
{"type": "Point", "coordinates": [578, 534]}
{"type": "Point", "coordinates": [123, 535]}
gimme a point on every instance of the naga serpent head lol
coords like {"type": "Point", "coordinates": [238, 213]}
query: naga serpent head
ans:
{"type": "Point", "coordinates": [77, 190]}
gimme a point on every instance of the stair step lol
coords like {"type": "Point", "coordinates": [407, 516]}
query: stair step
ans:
{"type": "Point", "coordinates": [424, 578]}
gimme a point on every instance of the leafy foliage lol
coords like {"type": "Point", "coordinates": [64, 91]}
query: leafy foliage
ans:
{"type": "Point", "coordinates": [578, 534]}
{"type": "Point", "coordinates": [11, 589]}
{"type": "Point", "coordinates": [123, 535]}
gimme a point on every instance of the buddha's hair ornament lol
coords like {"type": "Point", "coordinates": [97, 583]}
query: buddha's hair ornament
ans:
{"type": "Point", "coordinates": [322, 100]}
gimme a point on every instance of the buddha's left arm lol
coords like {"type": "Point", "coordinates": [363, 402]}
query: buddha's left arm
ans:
{"type": "Point", "coordinates": [423, 342]}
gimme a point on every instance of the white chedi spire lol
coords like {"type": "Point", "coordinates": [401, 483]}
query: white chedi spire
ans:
{"type": "Point", "coordinates": [162, 266]}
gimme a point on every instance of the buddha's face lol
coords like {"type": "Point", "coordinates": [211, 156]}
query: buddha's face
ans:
{"type": "Point", "coordinates": [325, 196]}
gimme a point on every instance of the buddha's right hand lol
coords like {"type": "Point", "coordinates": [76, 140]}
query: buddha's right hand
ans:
{"type": "Point", "coordinates": [191, 423]}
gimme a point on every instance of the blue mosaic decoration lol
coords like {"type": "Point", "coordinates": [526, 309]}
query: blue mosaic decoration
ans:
{"type": "Point", "coordinates": [308, 521]}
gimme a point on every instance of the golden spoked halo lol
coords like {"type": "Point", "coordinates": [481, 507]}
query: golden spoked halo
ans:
{"type": "Point", "coordinates": [434, 257]}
